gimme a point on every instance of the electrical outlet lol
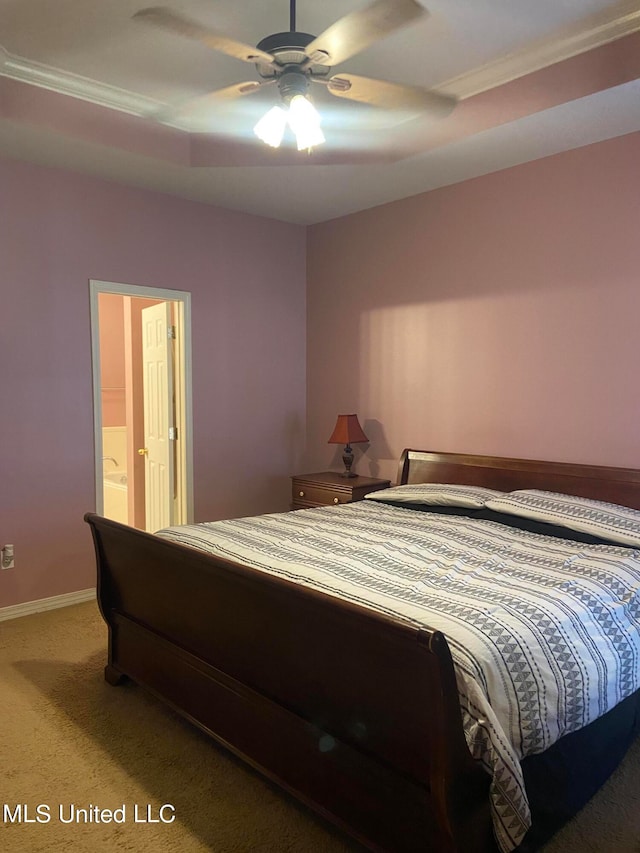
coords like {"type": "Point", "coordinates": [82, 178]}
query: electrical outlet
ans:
{"type": "Point", "coordinates": [8, 559]}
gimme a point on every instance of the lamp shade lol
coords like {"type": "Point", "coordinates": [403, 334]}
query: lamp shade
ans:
{"type": "Point", "coordinates": [347, 431]}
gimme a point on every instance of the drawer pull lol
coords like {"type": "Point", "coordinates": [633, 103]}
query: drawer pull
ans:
{"type": "Point", "coordinates": [301, 494]}
{"type": "Point", "coordinates": [336, 500]}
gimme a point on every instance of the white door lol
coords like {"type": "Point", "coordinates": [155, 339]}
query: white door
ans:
{"type": "Point", "coordinates": [157, 363]}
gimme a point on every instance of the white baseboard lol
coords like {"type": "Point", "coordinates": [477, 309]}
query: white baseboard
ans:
{"type": "Point", "coordinates": [53, 603]}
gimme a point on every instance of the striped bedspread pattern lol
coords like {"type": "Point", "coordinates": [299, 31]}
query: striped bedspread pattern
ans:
{"type": "Point", "coordinates": [544, 632]}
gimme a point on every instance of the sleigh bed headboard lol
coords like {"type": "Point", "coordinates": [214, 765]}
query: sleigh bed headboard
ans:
{"type": "Point", "coordinates": [604, 483]}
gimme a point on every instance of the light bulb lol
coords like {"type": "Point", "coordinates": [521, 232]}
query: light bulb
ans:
{"type": "Point", "coordinates": [304, 121]}
{"type": "Point", "coordinates": [270, 128]}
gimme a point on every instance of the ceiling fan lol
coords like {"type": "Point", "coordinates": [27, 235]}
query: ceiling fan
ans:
{"type": "Point", "coordinates": [295, 60]}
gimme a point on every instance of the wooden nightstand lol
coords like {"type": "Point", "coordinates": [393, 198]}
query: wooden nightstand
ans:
{"type": "Point", "coordinates": [328, 488]}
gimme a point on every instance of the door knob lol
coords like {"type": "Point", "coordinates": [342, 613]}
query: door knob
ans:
{"type": "Point", "coordinates": [143, 451]}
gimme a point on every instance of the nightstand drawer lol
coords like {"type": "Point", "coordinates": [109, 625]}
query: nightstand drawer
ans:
{"type": "Point", "coordinates": [316, 495]}
{"type": "Point", "coordinates": [329, 488]}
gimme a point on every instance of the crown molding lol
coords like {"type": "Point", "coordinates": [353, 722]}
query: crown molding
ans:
{"type": "Point", "coordinates": [67, 83]}
{"type": "Point", "coordinates": [622, 20]}
{"type": "Point", "coordinates": [598, 30]}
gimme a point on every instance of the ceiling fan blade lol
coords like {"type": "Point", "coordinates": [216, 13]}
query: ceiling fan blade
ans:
{"type": "Point", "coordinates": [380, 93]}
{"type": "Point", "coordinates": [162, 17]}
{"type": "Point", "coordinates": [236, 90]}
{"type": "Point", "coordinates": [172, 113]}
{"type": "Point", "coordinates": [359, 29]}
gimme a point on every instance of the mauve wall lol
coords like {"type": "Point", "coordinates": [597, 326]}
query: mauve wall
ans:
{"type": "Point", "coordinates": [247, 279]}
{"type": "Point", "coordinates": [496, 316]}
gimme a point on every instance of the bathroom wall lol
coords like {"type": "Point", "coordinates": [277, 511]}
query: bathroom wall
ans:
{"type": "Point", "coordinates": [112, 359]}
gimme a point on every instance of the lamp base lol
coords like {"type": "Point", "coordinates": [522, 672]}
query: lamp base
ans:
{"type": "Point", "coordinates": [347, 458]}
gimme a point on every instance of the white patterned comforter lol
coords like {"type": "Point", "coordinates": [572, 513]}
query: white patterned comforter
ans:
{"type": "Point", "coordinates": [544, 633]}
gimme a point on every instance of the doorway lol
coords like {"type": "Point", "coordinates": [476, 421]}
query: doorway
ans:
{"type": "Point", "coordinates": [141, 348]}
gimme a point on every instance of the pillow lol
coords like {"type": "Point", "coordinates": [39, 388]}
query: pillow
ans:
{"type": "Point", "coordinates": [605, 520]}
{"type": "Point", "coordinates": [436, 494]}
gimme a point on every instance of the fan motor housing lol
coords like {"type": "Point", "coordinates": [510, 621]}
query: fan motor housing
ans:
{"type": "Point", "coordinates": [288, 49]}
{"type": "Point", "coordinates": [292, 81]}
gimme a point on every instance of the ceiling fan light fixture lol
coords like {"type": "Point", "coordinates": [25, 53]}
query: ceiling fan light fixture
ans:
{"type": "Point", "coordinates": [304, 121]}
{"type": "Point", "coordinates": [309, 137]}
{"type": "Point", "coordinates": [270, 128]}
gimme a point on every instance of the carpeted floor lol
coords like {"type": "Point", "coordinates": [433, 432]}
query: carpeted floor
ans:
{"type": "Point", "coordinates": [68, 739]}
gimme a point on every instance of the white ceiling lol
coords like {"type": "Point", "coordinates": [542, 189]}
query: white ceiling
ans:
{"type": "Point", "coordinates": [487, 52]}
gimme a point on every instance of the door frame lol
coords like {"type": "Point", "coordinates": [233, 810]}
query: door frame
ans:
{"type": "Point", "coordinates": [183, 363]}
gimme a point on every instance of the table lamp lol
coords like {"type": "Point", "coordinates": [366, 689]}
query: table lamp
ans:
{"type": "Point", "coordinates": [347, 431]}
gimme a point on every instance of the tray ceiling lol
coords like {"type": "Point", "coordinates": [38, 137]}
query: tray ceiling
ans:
{"type": "Point", "coordinates": [83, 86]}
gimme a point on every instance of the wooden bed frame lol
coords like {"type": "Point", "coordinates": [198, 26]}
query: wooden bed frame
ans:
{"type": "Point", "coordinates": [355, 714]}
